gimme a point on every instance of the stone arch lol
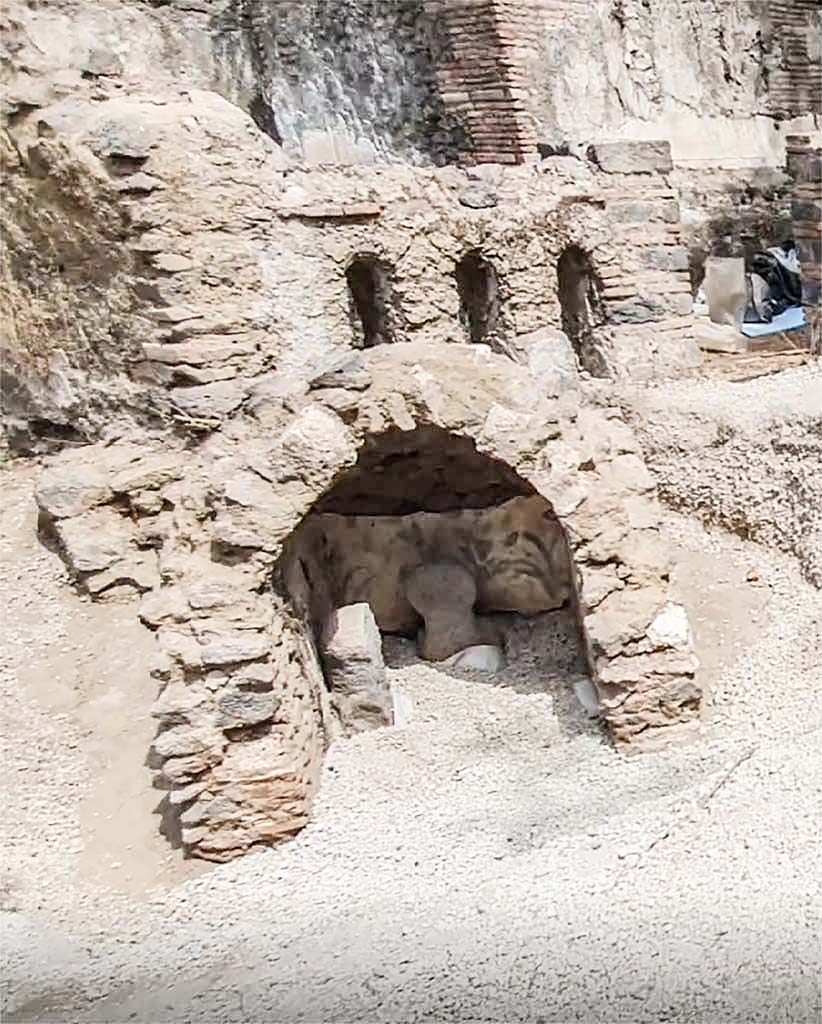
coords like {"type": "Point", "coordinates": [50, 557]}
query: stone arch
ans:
{"type": "Point", "coordinates": [371, 300]}
{"type": "Point", "coordinates": [580, 297]}
{"type": "Point", "coordinates": [478, 287]}
{"type": "Point", "coordinates": [245, 714]}
{"type": "Point", "coordinates": [419, 503]}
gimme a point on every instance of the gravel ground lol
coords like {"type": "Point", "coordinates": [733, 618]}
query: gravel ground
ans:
{"type": "Point", "coordinates": [493, 859]}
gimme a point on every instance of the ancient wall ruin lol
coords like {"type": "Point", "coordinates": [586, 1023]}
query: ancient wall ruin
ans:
{"type": "Point", "coordinates": [245, 712]}
{"type": "Point", "coordinates": [241, 285]}
{"type": "Point", "coordinates": [245, 289]}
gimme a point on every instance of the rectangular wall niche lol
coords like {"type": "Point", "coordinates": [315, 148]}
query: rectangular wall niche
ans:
{"type": "Point", "coordinates": [371, 301]}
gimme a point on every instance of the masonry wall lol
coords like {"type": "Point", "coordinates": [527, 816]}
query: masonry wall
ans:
{"type": "Point", "coordinates": [793, 29]}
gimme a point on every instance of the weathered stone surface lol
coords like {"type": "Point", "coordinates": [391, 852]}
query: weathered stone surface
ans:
{"type": "Point", "coordinates": [231, 648]}
{"type": "Point", "coordinates": [122, 136]}
{"type": "Point", "coordinates": [179, 700]}
{"type": "Point", "coordinates": [516, 552]}
{"type": "Point", "coordinates": [245, 707]}
{"type": "Point", "coordinates": [182, 740]}
{"type": "Point", "coordinates": [725, 291]}
{"type": "Point", "coordinates": [148, 473]}
{"type": "Point", "coordinates": [69, 490]}
{"type": "Point", "coordinates": [138, 571]}
{"type": "Point", "coordinates": [550, 357]}
{"type": "Point", "coordinates": [667, 258]}
{"type": "Point", "coordinates": [200, 351]}
{"type": "Point", "coordinates": [444, 595]}
{"type": "Point", "coordinates": [316, 444]}
{"type": "Point", "coordinates": [633, 157]}
{"type": "Point", "coordinates": [209, 400]}
{"type": "Point", "coordinates": [478, 196]}
{"type": "Point", "coordinates": [347, 371]}
{"type": "Point", "coordinates": [94, 541]}
{"type": "Point", "coordinates": [670, 628]}
{"type": "Point", "coordinates": [478, 658]}
{"type": "Point", "coordinates": [352, 655]}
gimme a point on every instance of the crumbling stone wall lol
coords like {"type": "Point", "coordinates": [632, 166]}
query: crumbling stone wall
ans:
{"type": "Point", "coordinates": [244, 713]}
{"type": "Point", "coordinates": [232, 273]}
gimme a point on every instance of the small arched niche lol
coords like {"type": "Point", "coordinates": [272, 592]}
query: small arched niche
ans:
{"type": "Point", "coordinates": [478, 287]}
{"type": "Point", "coordinates": [371, 300]}
{"type": "Point", "coordinates": [580, 299]}
{"type": "Point", "coordinates": [448, 554]}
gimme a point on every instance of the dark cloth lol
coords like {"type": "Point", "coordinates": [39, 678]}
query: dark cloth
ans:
{"type": "Point", "coordinates": [772, 288]}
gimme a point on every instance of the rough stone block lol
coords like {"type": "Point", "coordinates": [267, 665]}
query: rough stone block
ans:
{"type": "Point", "coordinates": [352, 656]}
{"type": "Point", "coordinates": [246, 707]}
{"type": "Point", "coordinates": [123, 136]}
{"type": "Point", "coordinates": [642, 211]}
{"type": "Point", "coordinates": [344, 371]}
{"type": "Point", "coordinates": [209, 400]}
{"type": "Point", "coordinates": [70, 490]}
{"type": "Point", "coordinates": [664, 258]}
{"type": "Point", "coordinates": [550, 357]}
{"type": "Point", "coordinates": [231, 648]}
{"type": "Point", "coordinates": [478, 196]}
{"type": "Point", "coordinates": [148, 473]}
{"type": "Point", "coordinates": [725, 289]}
{"type": "Point", "coordinates": [183, 740]}
{"type": "Point", "coordinates": [94, 541]}
{"type": "Point", "coordinates": [632, 157]}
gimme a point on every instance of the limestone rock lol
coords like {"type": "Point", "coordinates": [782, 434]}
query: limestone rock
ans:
{"type": "Point", "coordinates": [352, 656]}
{"type": "Point", "coordinates": [138, 571]}
{"type": "Point", "coordinates": [179, 700]}
{"type": "Point", "coordinates": [230, 648]}
{"type": "Point", "coordinates": [633, 157]}
{"type": "Point", "coordinates": [317, 444]}
{"type": "Point", "coordinates": [550, 357]}
{"type": "Point", "coordinates": [182, 740]}
{"type": "Point", "coordinates": [478, 196]}
{"type": "Point", "coordinates": [246, 707]}
{"type": "Point", "coordinates": [94, 541]}
{"type": "Point", "coordinates": [478, 658]}
{"type": "Point", "coordinates": [670, 628]}
{"type": "Point", "coordinates": [123, 136]}
{"type": "Point", "coordinates": [586, 694]}
{"type": "Point", "coordinates": [200, 350]}
{"type": "Point", "coordinates": [346, 371]}
{"type": "Point", "coordinates": [148, 473]}
{"type": "Point", "coordinates": [66, 490]}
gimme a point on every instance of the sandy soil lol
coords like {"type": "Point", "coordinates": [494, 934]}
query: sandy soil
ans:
{"type": "Point", "coordinates": [491, 859]}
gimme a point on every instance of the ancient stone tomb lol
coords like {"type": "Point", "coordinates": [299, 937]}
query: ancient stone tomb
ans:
{"type": "Point", "coordinates": [419, 489]}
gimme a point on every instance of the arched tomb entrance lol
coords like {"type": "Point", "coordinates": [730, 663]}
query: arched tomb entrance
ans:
{"type": "Point", "coordinates": [534, 500]}
{"type": "Point", "coordinates": [423, 537]}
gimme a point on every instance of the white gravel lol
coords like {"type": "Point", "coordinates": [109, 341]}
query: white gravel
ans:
{"type": "Point", "coordinates": [492, 860]}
